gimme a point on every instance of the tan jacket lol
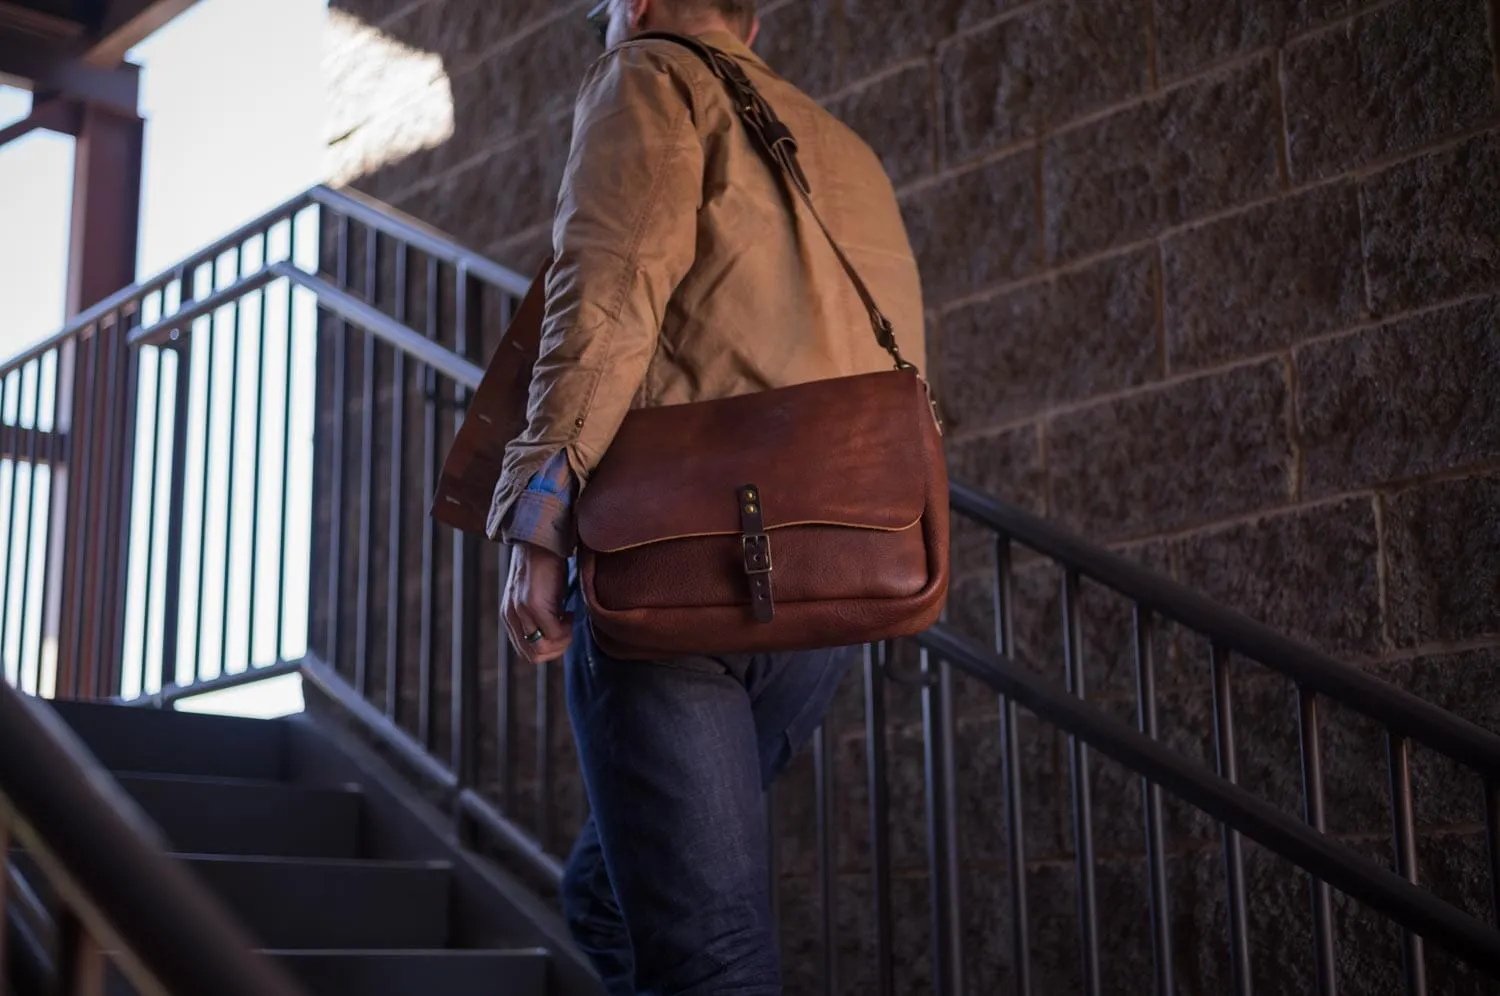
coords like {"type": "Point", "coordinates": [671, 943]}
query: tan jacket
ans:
{"type": "Point", "coordinates": [682, 274]}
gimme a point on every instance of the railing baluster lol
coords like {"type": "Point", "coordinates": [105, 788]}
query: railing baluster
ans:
{"type": "Point", "coordinates": [429, 534]}
{"type": "Point", "coordinates": [1312, 794]}
{"type": "Point", "coordinates": [1156, 852]}
{"type": "Point", "coordinates": [505, 704]}
{"type": "Point", "coordinates": [231, 500]}
{"type": "Point", "coordinates": [1398, 755]}
{"type": "Point", "coordinates": [942, 829]}
{"type": "Point", "coordinates": [208, 437]}
{"type": "Point", "coordinates": [82, 497]}
{"type": "Point", "coordinates": [10, 522]}
{"type": "Point", "coordinates": [339, 329]}
{"type": "Point", "coordinates": [50, 457]}
{"type": "Point", "coordinates": [544, 754]}
{"type": "Point", "coordinates": [827, 870]}
{"type": "Point", "coordinates": [151, 465]}
{"type": "Point", "coordinates": [366, 476]}
{"type": "Point", "coordinates": [1083, 795]}
{"type": "Point", "coordinates": [1492, 843]}
{"type": "Point", "coordinates": [1010, 749]}
{"type": "Point", "coordinates": [505, 735]}
{"type": "Point", "coordinates": [463, 668]}
{"type": "Point", "coordinates": [115, 551]}
{"type": "Point", "coordinates": [26, 586]}
{"type": "Point", "coordinates": [99, 528]}
{"type": "Point", "coordinates": [176, 542]}
{"type": "Point", "coordinates": [286, 446]}
{"type": "Point", "coordinates": [257, 458]}
{"type": "Point", "coordinates": [395, 600]}
{"type": "Point", "coordinates": [1234, 857]}
{"type": "Point", "coordinates": [880, 819]}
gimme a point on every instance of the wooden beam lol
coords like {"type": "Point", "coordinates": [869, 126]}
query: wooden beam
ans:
{"type": "Point", "coordinates": [59, 114]}
{"type": "Point", "coordinates": [52, 68]}
{"type": "Point", "coordinates": [127, 23]}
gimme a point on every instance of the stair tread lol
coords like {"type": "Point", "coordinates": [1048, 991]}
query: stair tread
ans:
{"type": "Point", "coordinates": [229, 781]}
{"type": "Point", "coordinates": [314, 862]}
{"type": "Point", "coordinates": [445, 953]}
{"type": "Point", "coordinates": [135, 739]}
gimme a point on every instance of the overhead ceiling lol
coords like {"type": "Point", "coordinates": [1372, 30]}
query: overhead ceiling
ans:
{"type": "Point", "coordinates": [41, 41]}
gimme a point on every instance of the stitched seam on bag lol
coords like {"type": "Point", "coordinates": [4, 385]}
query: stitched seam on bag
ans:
{"type": "Point", "coordinates": [770, 529]}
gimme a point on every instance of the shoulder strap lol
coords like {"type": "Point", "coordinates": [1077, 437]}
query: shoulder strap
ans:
{"type": "Point", "coordinates": [776, 142]}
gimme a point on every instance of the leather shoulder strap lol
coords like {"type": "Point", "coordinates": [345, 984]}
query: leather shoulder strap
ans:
{"type": "Point", "coordinates": [776, 142]}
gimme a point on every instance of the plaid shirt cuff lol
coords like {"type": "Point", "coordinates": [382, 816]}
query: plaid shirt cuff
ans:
{"type": "Point", "coordinates": [543, 514]}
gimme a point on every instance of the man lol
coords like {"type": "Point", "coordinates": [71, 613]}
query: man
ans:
{"type": "Point", "coordinates": [684, 271]}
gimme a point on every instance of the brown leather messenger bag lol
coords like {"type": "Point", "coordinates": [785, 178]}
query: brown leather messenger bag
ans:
{"type": "Point", "coordinates": [814, 515]}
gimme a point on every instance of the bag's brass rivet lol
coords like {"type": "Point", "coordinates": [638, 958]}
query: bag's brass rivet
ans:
{"type": "Point", "coordinates": [750, 509]}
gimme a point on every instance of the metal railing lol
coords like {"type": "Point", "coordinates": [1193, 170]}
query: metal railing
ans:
{"type": "Point", "coordinates": [120, 898]}
{"type": "Point", "coordinates": [289, 395]}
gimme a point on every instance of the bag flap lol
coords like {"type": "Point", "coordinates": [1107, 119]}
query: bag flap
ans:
{"type": "Point", "coordinates": [848, 451]}
{"type": "Point", "coordinates": [495, 415]}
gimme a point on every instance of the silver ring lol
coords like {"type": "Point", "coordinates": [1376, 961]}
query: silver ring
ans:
{"type": "Point", "coordinates": [534, 637]}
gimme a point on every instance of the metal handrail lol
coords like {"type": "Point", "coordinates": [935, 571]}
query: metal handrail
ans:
{"type": "Point", "coordinates": [361, 208]}
{"type": "Point", "coordinates": [419, 235]}
{"type": "Point", "coordinates": [1381, 889]}
{"type": "Point", "coordinates": [109, 865]}
{"type": "Point", "coordinates": [1400, 711]}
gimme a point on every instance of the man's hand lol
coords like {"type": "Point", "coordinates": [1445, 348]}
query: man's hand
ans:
{"type": "Point", "coordinates": [533, 603]}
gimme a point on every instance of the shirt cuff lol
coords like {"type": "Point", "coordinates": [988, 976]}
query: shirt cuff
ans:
{"type": "Point", "coordinates": [543, 513]}
{"type": "Point", "coordinates": [542, 520]}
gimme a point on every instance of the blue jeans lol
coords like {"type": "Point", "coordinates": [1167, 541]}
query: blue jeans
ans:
{"type": "Point", "coordinates": [667, 887]}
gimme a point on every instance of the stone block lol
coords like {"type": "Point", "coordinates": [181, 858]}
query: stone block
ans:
{"type": "Point", "coordinates": [511, 191]}
{"type": "Point", "coordinates": [1082, 334]}
{"type": "Point", "coordinates": [1312, 575]}
{"type": "Point", "coordinates": [1191, 453]}
{"type": "Point", "coordinates": [1442, 545]}
{"type": "Point", "coordinates": [1432, 227]}
{"type": "Point", "coordinates": [799, 41]}
{"type": "Point", "coordinates": [1264, 279]}
{"type": "Point", "coordinates": [1195, 150]}
{"type": "Point", "coordinates": [1008, 466]}
{"type": "Point", "coordinates": [1038, 70]}
{"type": "Point", "coordinates": [1417, 397]}
{"type": "Point", "coordinates": [1397, 78]}
{"type": "Point", "coordinates": [977, 229]}
{"type": "Point", "coordinates": [460, 30]}
{"type": "Point", "coordinates": [524, 251]}
{"type": "Point", "coordinates": [890, 115]}
{"type": "Point", "coordinates": [511, 92]}
{"type": "Point", "coordinates": [1193, 34]}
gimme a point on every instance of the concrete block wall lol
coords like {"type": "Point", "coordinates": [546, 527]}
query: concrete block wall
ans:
{"type": "Point", "coordinates": [1213, 282]}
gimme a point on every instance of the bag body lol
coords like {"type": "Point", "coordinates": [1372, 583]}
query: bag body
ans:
{"type": "Point", "coordinates": [814, 515]}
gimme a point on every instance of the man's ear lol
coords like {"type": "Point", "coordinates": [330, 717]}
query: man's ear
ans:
{"type": "Point", "coordinates": [754, 32]}
{"type": "Point", "coordinates": [639, 11]}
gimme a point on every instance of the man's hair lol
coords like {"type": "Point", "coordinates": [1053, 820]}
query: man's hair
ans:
{"type": "Point", "coordinates": [739, 13]}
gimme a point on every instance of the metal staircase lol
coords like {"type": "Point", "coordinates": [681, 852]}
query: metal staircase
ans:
{"type": "Point", "coordinates": [221, 477]}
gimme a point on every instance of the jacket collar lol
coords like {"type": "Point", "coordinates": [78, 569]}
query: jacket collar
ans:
{"type": "Point", "coordinates": [730, 43]}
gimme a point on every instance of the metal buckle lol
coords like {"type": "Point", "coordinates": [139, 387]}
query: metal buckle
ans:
{"type": "Point", "coordinates": [756, 548]}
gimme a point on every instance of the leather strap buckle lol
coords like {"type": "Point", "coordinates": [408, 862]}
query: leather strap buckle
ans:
{"type": "Point", "coordinates": [755, 553]}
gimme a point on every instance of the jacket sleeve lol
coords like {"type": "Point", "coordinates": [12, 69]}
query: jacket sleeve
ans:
{"type": "Point", "coordinates": [624, 236]}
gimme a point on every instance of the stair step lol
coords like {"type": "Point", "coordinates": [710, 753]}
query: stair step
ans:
{"type": "Point", "coordinates": [520, 972]}
{"type": "Point", "coordinates": [303, 904]}
{"type": "Point", "coordinates": [403, 973]}
{"type": "Point", "coordinates": [237, 816]}
{"type": "Point", "coordinates": [136, 739]}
